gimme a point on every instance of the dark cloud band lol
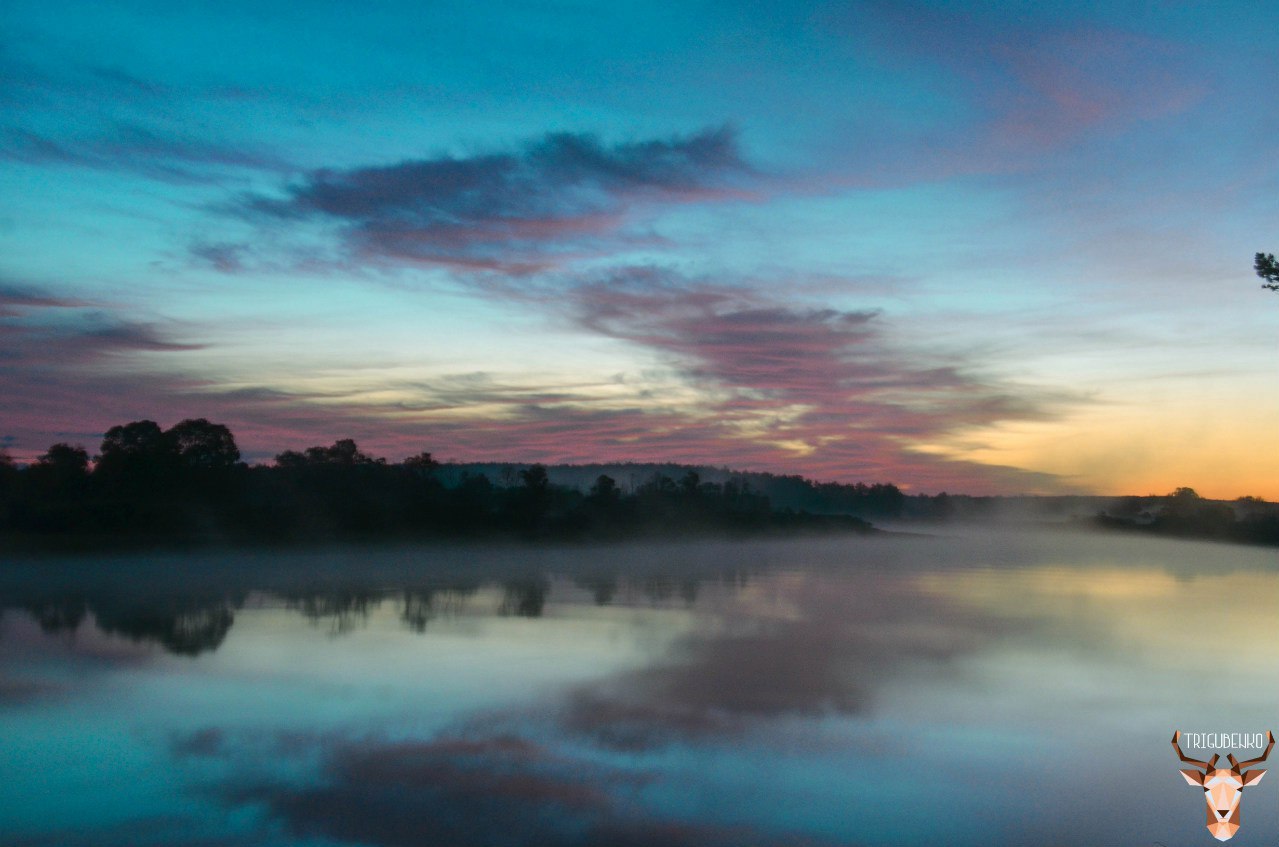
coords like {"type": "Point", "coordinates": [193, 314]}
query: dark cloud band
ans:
{"type": "Point", "coordinates": [503, 209]}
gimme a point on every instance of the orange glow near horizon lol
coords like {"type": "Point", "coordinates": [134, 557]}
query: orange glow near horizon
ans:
{"type": "Point", "coordinates": [1214, 442]}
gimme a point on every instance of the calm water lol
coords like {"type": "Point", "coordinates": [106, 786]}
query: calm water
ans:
{"type": "Point", "coordinates": [977, 689]}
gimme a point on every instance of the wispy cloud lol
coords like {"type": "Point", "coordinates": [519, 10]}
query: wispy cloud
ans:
{"type": "Point", "coordinates": [224, 256]}
{"type": "Point", "coordinates": [16, 299]}
{"type": "Point", "coordinates": [737, 377]}
{"type": "Point", "coordinates": [122, 82]}
{"type": "Point", "coordinates": [1020, 86]}
{"type": "Point", "coordinates": [59, 356]}
{"type": "Point", "coordinates": [823, 389]}
{"type": "Point", "coordinates": [137, 149]}
{"type": "Point", "coordinates": [80, 339]}
{"type": "Point", "coordinates": [512, 211]}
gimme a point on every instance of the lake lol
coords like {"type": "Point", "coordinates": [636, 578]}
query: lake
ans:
{"type": "Point", "coordinates": [974, 687]}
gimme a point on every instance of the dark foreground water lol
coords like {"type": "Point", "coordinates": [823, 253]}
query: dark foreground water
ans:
{"type": "Point", "coordinates": [977, 689]}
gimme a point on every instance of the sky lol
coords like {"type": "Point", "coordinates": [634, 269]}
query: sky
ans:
{"type": "Point", "coordinates": [991, 247]}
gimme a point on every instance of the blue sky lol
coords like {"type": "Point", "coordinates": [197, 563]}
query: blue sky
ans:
{"type": "Point", "coordinates": [978, 246]}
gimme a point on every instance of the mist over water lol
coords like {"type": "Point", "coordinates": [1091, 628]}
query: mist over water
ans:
{"type": "Point", "coordinates": [982, 687]}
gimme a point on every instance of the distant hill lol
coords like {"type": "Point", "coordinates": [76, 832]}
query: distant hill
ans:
{"type": "Point", "coordinates": [1165, 514]}
{"type": "Point", "coordinates": [783, 492]}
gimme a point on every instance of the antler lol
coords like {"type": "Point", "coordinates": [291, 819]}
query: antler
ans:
{"type": "Point", "coordinates": [1239, 766]}
{"type": "Point", "coordinates": [1205, 765]}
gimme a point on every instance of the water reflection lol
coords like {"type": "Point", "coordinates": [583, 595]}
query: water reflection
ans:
{"type": "Point", "coordinates": [422, 606]}
{"type": "Point", "coordinates": [473, 791]}
{"type": "Point", "coordinates": [137, 602]}
{"type": "Point", "coordinates": [185, 626]}
{"type": "Point", "coordinates": [525, 598]}
{"type": "Point", "coordinates": [788, 646]}
{"type": "Point", "coordinates": [340, 610]}
{"type": "Point", "coordinates": [787, 692]}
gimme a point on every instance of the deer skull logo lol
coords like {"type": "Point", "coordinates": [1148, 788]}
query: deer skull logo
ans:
{"type": "Point", "coordinates": [1222, 787]}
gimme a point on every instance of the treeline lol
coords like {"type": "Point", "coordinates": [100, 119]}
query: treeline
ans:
{"type": "Point", "coordinates": [874, 500]}
{"type": "Point", "coordinates": [1184, 513]}
{"type": "Point", "coordinates": [187, 483]}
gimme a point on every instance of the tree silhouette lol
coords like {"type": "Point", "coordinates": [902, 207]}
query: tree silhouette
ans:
{"type": "Point", "coordinates": [689, 482]}
{"type": "Point", "coordinates": [1267, 268]}
{"type": "Point", "coordinates": [605, 489]}
{"type": "Point", "coordinates": [63, 462]}
{"type": "Point", "coordinates": [200, 444]}
{"type": "Point", "coordinates": [8, 478]}
{"type": "Point", "coordinates": [56, 485]}
{"type": "Point", "coordinates": [290, 459]}
{"type": "Point", "coordinates": [138, 452]}
{"type": "Point", "coordinates": [136, 438]}
{"type": "Point", "coordinates": [422, 462]}
{"type": "Point", "coordinates": [343, 452]}
{"type": "Point", "coordinates": [535, 479]}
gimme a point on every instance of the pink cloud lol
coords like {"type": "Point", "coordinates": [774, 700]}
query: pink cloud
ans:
{"type": "Point", "coordinates": [816, 391]}
{"type": "Point", "coordinates": [1071, 82]}
{"type": "Point", "coordinates": [473, 791]}
{"type": "Point", "coordinates": [1018, 88]}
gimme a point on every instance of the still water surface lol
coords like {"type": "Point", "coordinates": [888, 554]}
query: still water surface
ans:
{"type": "Point", "coordinates": [972, 689]}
